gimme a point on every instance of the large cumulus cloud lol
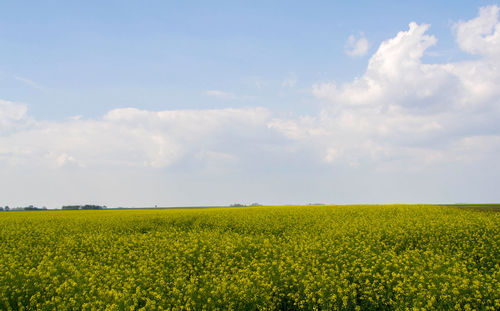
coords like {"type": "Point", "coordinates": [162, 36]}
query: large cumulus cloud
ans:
{"type": "Point", "coordinates": [403, 108]}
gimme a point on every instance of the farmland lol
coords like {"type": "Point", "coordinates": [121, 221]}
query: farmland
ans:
{"type": "Point", "coordinates": [277, 258]}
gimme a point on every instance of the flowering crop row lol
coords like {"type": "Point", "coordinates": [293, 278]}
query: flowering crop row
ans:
{"type": "Point", "coordinates": [270, 258]}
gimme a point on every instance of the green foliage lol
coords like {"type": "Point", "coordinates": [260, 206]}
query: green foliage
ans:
{"type": "Point", "coordinates": [274, 258]}
{"type": "Point", "coordinates": [82, 207]}
{"type": "Point", "coordinates": [70, 207]}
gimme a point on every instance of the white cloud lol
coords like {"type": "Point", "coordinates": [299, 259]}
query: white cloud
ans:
{"type": "Point", "coordinates": [130, 137]}
{"type": "Point", "coordinates": [11, 112]}
{"type": "Point", "coordinates": [402, 110]}
{"type": "Point", "coordinates": [357, 47]}
{"type": "Point", "coordinates": [12, 116]}
{"type": "Point", "coordinates": [221, 94]}
{"type": "Point", "coordinates": [481, 35]}
{"type": "Point", "coordinates": [62, 160]}
{"type": "Point", "coordinates": [290, 81]}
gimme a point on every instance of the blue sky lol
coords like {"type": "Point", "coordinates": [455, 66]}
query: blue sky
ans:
{"type": "Point", "coordinates": [88, 57]}
{"type": "Point", "coordinates": [277, 81]}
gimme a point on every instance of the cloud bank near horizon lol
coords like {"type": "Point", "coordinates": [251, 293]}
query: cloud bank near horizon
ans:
{"type": "Point", "coordinates": [402, 115]}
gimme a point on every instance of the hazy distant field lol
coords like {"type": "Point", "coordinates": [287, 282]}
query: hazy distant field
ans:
{"type": "Point", "coordinates": [286, 258]}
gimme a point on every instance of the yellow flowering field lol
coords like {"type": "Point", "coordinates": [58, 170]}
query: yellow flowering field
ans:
{"type": "Point", "coordinates": [387, 257]}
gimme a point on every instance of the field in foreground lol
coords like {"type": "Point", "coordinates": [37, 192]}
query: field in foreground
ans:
{"type": "Point", "coordinates": [285, 258]}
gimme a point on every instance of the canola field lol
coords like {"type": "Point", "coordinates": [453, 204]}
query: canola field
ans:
{"type": "Point", "coordinates": [395, 257]}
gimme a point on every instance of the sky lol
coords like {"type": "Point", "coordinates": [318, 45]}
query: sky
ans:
{"type": "Point", "coordinates": [133, 103]}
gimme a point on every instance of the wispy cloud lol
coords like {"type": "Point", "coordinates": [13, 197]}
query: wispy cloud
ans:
{"type": "Point", "coordinates": [30, 83]}
{"type": "Point", "coordinates": [290, 81]}
{"type": "Point", "coordinates": [221, 94]}
{"type": "Point", "coordinates": [357, 46]}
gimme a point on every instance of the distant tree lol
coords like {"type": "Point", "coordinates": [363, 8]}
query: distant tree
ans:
{"type": "Point", "coordinates": [7, 208]}
{"type": "Point", "coordinates": [1, 209]}
{"type": "Point", "coordinates": [31, 208]}
{"type": "Point", "coordinates": [237, 205]}
{"type": "Point", "coordinates": [88, 206]}
{"type": "Point", "coordinates": [82, 207]}
{"type": "Point", "coordinates": [71, 207]}
{"type": "Point", "coordinates": [255, 204]}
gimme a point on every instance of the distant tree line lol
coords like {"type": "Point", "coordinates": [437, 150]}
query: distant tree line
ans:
{"type": "Point", "coordinates": [83, 207]}
{"type": "Point", "coordinates": [242, 205]}
{"type": "Point", "coordinates": [26, 208]}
